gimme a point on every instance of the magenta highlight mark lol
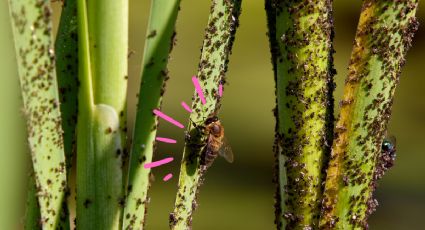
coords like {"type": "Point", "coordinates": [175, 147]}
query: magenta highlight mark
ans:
{"type": "Point", "coordinates": [166, 140]}
{"type": "Point", "coordinates": [220, 90]}
{"type": "Point", "coordinates": [186, 107]}
{"type": "Point", "coordinates": [199, 89]}
{"type": "Point", "coordinates": [158, 163]}
{"type": "Point", "coordinates": [167, 118]}
{"type": "Point", "coordinates": [168, 176]}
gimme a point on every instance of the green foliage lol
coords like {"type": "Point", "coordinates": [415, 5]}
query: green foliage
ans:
{"type": "Point", "coordinates": [74, 102]}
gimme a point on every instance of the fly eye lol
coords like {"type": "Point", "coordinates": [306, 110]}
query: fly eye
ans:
{"type": "Point", "coordinates": [386, 146]}
{"type": "Point", "coordinates": [216, 129]}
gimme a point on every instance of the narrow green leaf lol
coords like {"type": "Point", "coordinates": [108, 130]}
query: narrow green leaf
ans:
{"type": "Point", "coordinates": [31, 23]}
{"type": "Point", "coordinates": [158, 45]}
{"type": "Point", "coordinates": [220, 32]}
{"type": "Point", "coordinates": [32, 213]}
{"type": "Point", "coordinates": [66, 48]}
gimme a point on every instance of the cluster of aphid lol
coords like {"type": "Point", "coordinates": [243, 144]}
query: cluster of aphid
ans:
{"type": "Point", "coordinates": [387, 157]}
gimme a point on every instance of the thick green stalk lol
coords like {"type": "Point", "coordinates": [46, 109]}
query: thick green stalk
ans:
{"type": "Point", "coordinates": [108, 38]}
{"type": "Point", "coordinates": [384, 35]}
{"type": "Point", "coordinates": [216, 49]}
{"type": "Point", "coordinates": [158, 45]}
{"type": "Point", "coordinates": [102, 39]}
{"type": "Point", "coordinates": [31, 23]}
{"type": "Point", "coordinates": [304, 84]}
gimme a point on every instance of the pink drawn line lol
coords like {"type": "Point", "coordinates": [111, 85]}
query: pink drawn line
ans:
{"type": "Point", "coordinates": [158, 163]}
{"type": "Point", "coordinates": [166, 140]}
{"type": "Point", "coordinates": [198, 89]}
{"type": "Point", "coordinates": [167, 118]}
{"type": "Point", "coordinates": [220, 90]}
{"type": "Point", "coordinates": [186, 107]}
{"type": "Point", "coordinates": [168, 176]}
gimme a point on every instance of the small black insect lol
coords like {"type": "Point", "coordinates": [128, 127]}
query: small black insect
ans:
{"type": "Point", "coordinates": [388, 152]}
{"type": "Point", "coordinates": [386, 158]}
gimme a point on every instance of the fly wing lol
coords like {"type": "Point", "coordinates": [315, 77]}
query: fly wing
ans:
{"type": "Point", "coordinates": [226, 151]}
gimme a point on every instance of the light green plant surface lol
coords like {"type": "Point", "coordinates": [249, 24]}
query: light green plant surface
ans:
{"type": "Point", "coordinates": [384, 35]}
{"type": "Point", "coordinates": [217, 45]}
{"type": "Point", "coordinates": [13, 154]}
{"type": "Point", "coordinates": [102, 36]}
{"type": "Point", "coordinates": [158, 44]}
{"type": "Point", "coordinates": [304, 86]}
{"type": "Point", "coordinates": [31, 23]}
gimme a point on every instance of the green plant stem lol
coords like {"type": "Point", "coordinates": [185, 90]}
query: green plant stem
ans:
{"type": "Point", "coordinates": [304, 85]}
{"type": "Point", "coordinates": [216, 49]}
{"type": "Point", "coordinates": [66, 48]}
{"type": "Point", "coordinates": [270, 7]}
{"type": "Point", "coordinates": [32, 213]}
{"type": "Point", "coordinates": [31, 23]}
{"type": "Point", "coordinates": [102, 39]}
{"type": "Point", "coordinates": [384, 35]}
{"type": "Point", "coordinates": [158, 45]}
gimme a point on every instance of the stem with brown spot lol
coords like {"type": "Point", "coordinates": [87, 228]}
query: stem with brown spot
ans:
{"type": "Point", "coordinates": [216, 49]}
{"type": "Point", "coordinates": [158, 45]}
{"type": "Point", "coordinates": [32, 31]}
{"type": "Point", "coordinates": [302, 59]}
{"type": "Point", "coordinates": [384, 35]}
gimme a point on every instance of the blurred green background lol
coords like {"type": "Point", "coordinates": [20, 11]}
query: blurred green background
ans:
{"type": "Point", "coordinates": [240, 195]}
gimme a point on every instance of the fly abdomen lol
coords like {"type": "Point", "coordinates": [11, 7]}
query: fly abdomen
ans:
{"type": "Point", "coordinates": [208, 157]}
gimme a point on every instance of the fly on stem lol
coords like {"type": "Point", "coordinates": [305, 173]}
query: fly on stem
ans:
{"type": "Point", "coordinates": [216, 144]}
